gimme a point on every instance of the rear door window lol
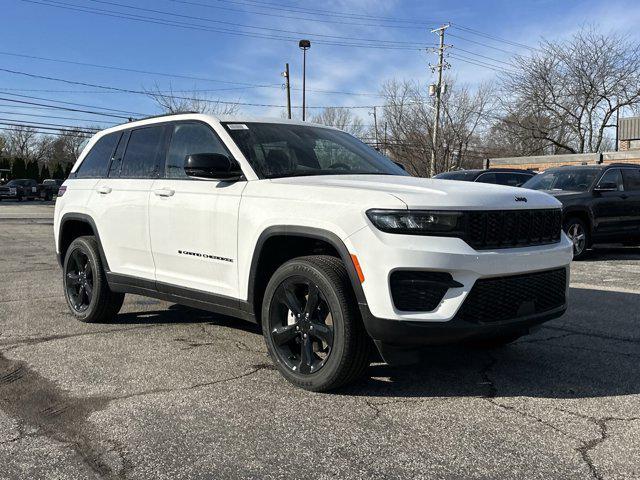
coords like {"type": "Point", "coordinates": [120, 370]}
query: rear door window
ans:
{"type": "Point", "coordinates": [96, 163]}
{"type": "Point", "coordinates": [142, 156]}
{"type": "Point", "coordinates": [631, 179]}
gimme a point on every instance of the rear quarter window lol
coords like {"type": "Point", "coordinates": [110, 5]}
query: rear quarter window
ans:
{"type": "Point", "coordinates": [96, 163]}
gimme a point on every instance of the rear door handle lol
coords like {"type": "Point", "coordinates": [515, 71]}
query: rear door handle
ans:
{"type": "Point", "coordinates": [104, 190]}
{"type": "Point", "coordinates": [164, 192]}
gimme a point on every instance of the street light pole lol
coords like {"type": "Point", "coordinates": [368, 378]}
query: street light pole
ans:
{"type": "Point", "coordinates": [304, 45]}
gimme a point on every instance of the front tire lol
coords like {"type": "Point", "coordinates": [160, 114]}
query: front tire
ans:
{"type": "Point", "coordinates": [85, 284]}
{"type": "Point", "coordinates": [312, 326]}
{"type": "Point", "coordinates": [578, 233]}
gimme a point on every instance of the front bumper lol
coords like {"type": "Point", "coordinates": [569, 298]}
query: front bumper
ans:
{"type": "Point", "coordinates": [380, 254]}
{"type": "Point", "coordinates": [413, 334]}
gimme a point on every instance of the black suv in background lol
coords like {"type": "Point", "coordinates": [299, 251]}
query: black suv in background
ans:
{"type": "Point", "coordinates": [512, 177]}
{"type": "Point", "coordinates": [19, 189]}
{"type": "Point", "coordinates": [601, 203]}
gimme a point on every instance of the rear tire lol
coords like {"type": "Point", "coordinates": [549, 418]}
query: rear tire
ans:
{"type": "Point", "coordinates": [85, 284]}
{"type": "Point", "coordinates": [327, 348]}
{"type": "Point", "coordinates": [578, 233]}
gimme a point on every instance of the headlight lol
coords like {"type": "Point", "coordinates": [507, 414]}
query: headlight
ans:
{"type": "Point", "coordinates": [418, 222]}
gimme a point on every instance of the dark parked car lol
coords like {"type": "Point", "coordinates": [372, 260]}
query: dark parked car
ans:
{"type": "Point", "coordinates": [22, 188]}
{"type": "Point", "coordinates": [49, 188]}
{"type": "Point", "coordinates": [512, 177]}
{"type": "Point", "coordinates": [601, 203]}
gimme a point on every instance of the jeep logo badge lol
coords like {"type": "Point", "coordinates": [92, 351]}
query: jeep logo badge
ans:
{"type": "Point", "coordinates": [521, 199]}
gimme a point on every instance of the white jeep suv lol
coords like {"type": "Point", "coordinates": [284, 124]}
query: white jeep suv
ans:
{"type": "Point", "coordinates": [302, 228]}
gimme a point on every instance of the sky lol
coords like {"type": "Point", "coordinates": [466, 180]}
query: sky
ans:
{"type": "Point", "coordinates": [235, 50]}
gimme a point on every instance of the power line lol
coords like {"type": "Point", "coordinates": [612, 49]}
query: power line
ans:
{"type": "Point", "coordinates": [277, 30]}
{"type": "Point", "coordinates": [141, 92]}
{"type": "Point", "coordinates": [315, 11]}
{"type": "Point", "coordinates": [58, 107]}
{"type": "Point", "coordinates": [492, 37]}
{"type": "Point", "coordinates": [293, 17]}
{"type": "Point", "coordinates": [483, 56]}
{"type": "Point", "coordinates": [479, 63]}
{"type": "Point", "coordinates": [56, 117]}
{"type": "Point", "coordinates": [191, 26]}
{"type": "Point", "coordinates": [510, 52]}
{"type": "Point", "coordinates": [73, 129]}
{"type": "Point", "coordinates": [169, 75]}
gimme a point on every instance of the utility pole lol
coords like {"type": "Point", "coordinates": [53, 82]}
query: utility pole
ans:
{"type": "Point", "coordinates": [375, 128]}
{"type": "Point", "coordinates": [438, 94]}
{"type": "Point", "coordinates": [287, 85]}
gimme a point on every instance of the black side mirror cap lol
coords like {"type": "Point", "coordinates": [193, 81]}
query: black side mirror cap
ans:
{"type": "Point", "coordinates": [212, 165]}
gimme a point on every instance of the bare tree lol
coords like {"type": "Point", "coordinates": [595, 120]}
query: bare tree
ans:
{"type": "Point", "coordinates": [563, 96]}
{"type": "Point", "coordinates": [195, 102]}
{"type": "Point", "coordinates": [342, 118]}
{"type": "Point", "coordinates": [21, 142]}
{"type": "Point", "coordinates": [407, 122]}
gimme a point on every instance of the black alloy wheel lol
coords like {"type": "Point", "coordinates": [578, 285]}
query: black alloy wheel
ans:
{"type": "Point", "coordinates": [301, 325]}
{"type": "Point", "coordinates": [85, 284]}
{"type": "Point", "coordinates": [79, 280]}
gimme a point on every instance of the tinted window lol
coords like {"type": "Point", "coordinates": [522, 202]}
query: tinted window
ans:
{"type": "Point", "coordinates": [511, 179]}
{"type": "Point", "coordinates": [612, 176]}
{"type": "Point", "coordinates": [487, 178]}
{"type": "Point", "coordinates": [143, 152]}
{"type": "Point", "coordinates": [187, 139]}
{"type": "Point", "coordinates": [96, 163]}
{"type": "Point", "coordinates": [285, 150]}
{"type": "Point", "coordinates": [631, 179]}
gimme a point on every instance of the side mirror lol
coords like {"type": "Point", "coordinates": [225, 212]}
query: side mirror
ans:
{"type": "Point", "coordinates": [606, 187]}
{"type": "Point", "coordinates": [212, 165]}
{"type": "Point", "coordinates": [401, 166]}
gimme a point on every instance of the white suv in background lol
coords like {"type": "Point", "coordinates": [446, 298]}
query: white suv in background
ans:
{"type": "Point", "coordinates": [302, 228]}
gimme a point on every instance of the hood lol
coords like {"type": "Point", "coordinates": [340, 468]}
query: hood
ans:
{"type": "Point", "coordinates": [431, 193]}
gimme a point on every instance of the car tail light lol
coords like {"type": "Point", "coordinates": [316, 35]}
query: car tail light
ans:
{"type": "Point", "coordinates": [62, 190]}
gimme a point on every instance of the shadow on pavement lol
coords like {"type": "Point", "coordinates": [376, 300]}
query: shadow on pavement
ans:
{"type": "Point", "coordinates": [592, 351]}
{"type": "Point", "coordinates": [612, 252]}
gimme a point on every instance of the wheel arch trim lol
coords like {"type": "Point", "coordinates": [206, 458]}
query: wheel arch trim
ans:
{"type": "Point", "coordinates": [81, 217]}
{"type": "Point", "coordinates": [306, 232]}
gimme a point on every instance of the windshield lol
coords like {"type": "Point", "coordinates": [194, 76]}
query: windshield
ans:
{"type": "Point", "coordinates": [569, 179]}
{"type": "Point", "coordinates": [465, 175]}
{"type": "Point", "coordinates": [18, 183]}
{"type": "Point", "coordinates": [277, 150]}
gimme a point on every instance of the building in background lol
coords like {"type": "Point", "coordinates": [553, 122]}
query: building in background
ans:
{"type": "Point", "coordinates": [628, 152]}
{"type": "Point", "coordinates": [629, 134]}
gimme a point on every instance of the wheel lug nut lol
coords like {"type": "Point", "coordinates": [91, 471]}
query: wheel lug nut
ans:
{"type": "Point", "coordinates": [304, 336]}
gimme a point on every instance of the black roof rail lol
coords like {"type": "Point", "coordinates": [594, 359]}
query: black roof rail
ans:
{"type": "Point", "coordinates": [621, 164]}
{"type": "Point", "coordinates": [131, 119]}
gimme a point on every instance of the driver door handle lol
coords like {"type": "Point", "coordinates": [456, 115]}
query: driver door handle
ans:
{"type": "Point", "coordinates": [164, 192]}
{"type": "Point", "coordinates": [103, 189]}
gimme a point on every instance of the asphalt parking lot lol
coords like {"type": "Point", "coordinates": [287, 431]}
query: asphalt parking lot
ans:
{"type": "Point", "coordinates": [170, 392]}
